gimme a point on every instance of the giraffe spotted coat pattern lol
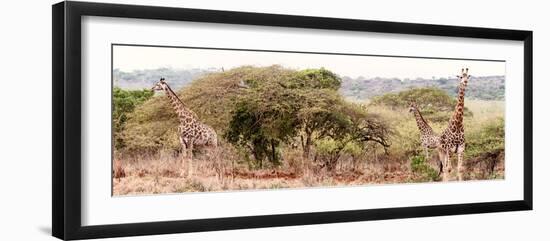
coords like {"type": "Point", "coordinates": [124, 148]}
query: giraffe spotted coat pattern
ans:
{"type": "Point", "coordinates": [428, 138]}
{"type": "Point", "coordinates": [452, 138]}
{"type": "Point", "coordinates": [192, 132]}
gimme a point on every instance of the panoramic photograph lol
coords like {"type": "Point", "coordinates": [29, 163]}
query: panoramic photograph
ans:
{"type": "Point", "coordinates": [211, 120]}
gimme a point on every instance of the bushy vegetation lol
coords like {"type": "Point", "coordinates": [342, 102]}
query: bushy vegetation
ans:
{"type": "Point", "coordinates": [436, 104]}
{"type": "Point", "coordinates": [488, 139]}
{"type": "Point", "coordinates": [425, 172]}
{"type": "Point", "coordinates": [275, 107]}
{"type": "Point", "coordinates": [485, 149]}
{"type": "Point", "coordinates": [274, 118]}
{"type": "Point", "coordinates": [429, 99]}
{"type": "Point", "coordinates": [124, 103]}
{"type": "Point", "coordinates": [304, 105]}
{"type": "Point", "coordinates": [153, 125]}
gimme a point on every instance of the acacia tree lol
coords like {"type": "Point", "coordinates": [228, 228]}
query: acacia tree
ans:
{"type": "Point", "coordinates": [318, 115]}
{"type": "Point", "coordinates": [264, 118]}
{"type": "Point", "coordinates": [305, 104]}
{"type": "Point", "coordinates": [355, 127]}
{"type": "Point", "coordinates": [319, 98]}
{"type": "Point", "coordinates": [275, 110]}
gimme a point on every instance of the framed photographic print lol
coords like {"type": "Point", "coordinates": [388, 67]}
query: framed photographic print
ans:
{"type": "Point", "coordinates": [170, 120]}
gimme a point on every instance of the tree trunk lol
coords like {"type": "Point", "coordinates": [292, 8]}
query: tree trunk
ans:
{"type": "Point", "coordinates": [273, 154]}
{"type": "Point", "coordinates": [307, 146]}
{"type": "Point", "coordinates": [333, 159]}
{"type": "Point", "coordinates": [257, 157]}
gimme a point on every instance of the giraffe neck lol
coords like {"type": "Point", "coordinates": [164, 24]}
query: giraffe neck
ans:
{"type": "Point", "coordinates": [423, 126]}
{"type": "Point", "coordinates": [459, 109]}
{"type": "Point", "coordinates": [182, 111]}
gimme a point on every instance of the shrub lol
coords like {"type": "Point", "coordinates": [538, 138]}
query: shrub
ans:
{"type": "Point", "coordinates": [421, 168]}
{"type": "Point", "coordinates": [489, 138]}
{"type": "Point", "coordinates": [124, 102]}
{"type": "Point", "coordinates": [328, 151]}
{"type": "Point", "coordinates": [435, 104]}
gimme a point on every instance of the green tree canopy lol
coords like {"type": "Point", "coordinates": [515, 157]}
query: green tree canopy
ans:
{"type": "Point", "coordinates": [263, 118]}
{"type": "Point", "coordinates": [124, 102]}
{"type": "Point", "coordinates": [314, 78]}
{"type": "Point", "coordinates": [434, 103]}
{"type": "Point", "coordinates": [274, 112]}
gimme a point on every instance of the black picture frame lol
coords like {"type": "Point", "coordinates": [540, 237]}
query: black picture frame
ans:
{"type": "Point", "coordinates": [66, 127]}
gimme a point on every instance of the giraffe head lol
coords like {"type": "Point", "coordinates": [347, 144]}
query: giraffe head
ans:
{"type": "Point", "coordinates": [412, 106]}
{"type": "Point", "coordinates": [160, 85]}
{"type": "Point", "coordinates": [464, 76]}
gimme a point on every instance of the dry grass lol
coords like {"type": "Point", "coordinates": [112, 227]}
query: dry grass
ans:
{"type": "Point", "coordinates": [166, 174]}
{"type": "Point", "coordinates": [118, 170]}
{"type": "Point", "coordinates": [152, 175]}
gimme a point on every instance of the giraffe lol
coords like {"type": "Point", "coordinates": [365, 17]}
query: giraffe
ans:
{"type": "Point", "coordinates": [428, 138]}
{"type": "Point", "coordinates": [192, 132]}
{"type": "Point", "coordinates": [452, 138]}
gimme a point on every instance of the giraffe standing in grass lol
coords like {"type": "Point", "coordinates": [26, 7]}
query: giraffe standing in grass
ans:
{"type": "Point", "coordinates": [428, 138]}
{"type": "Point", "coordinates": [452, 138]}
{"type": "Point", "coordinates": [192, 132]}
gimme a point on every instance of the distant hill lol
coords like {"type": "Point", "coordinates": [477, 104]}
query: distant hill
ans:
{"type": "Point", "coordinates": [479, 87]}
{"type": "Point", "coordinates": [139, 79]}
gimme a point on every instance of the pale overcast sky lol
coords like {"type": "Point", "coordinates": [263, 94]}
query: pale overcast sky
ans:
{"type": "Point", "coordinates": [128, 58]}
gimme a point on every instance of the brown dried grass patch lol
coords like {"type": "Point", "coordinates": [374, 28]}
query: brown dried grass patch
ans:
{"type": "Point", "coordinates": [118, 169]}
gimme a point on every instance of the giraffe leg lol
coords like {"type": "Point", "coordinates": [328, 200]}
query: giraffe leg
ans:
{"type": "Point", "coordinates": [442, 161]}
{"type": "Point", "coordinates": [441, 166]}
{"type": "Point", "coordinates": [190, 159]}
{"type": "Point", "coordinates": [183, 149]}
{"type": "Point", "coordinates": [183, 155]}
{"type": "Point", "coordinates": [460, 168]}
{"type": "Point", "coordinates": [448, 165]}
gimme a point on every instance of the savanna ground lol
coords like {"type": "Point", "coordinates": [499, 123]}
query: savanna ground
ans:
{"type": "Point", "coordinates": [292, 129]}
